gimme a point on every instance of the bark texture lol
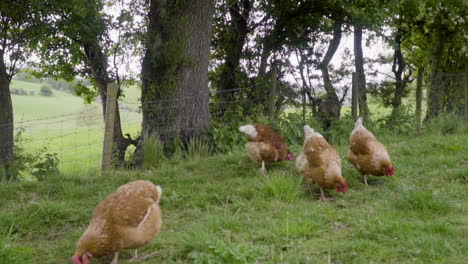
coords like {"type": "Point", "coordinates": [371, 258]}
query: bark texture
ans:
{"type": "Point", "coordinates": [330, 107]}
{"type": "Point", "coordinates": [433, 109]}
{"type": "Point", "coordinates": [175, 99]}
{"type": "Point", "coordinates": [6, 122]}
{"type": "Point", "coordinates": [360, 75]}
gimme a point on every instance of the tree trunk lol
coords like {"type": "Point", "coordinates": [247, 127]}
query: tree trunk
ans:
{"type": "Point", "coordinates": [330, 108]}
{"type": "Point", "coordinates": [194, 114]}
{"type": "Point", "coordinates": [434, 78]}
{"type": "Point", "coordinates": [272, 94]}
{"type": "Point", "coordinates": [354, 97]}
{"type": "Point", "coordinates": [238, 28]}
{"type": "Point", "coordinates": [360, 75]}
{"type": "Point", "coordinates": [6, 123]}
{"type": "Point", "coordinates": [466, 96]}
{"type": "Point", "coordinates": [175, 69]}
{"type": "Point", "coordinates": [419, 98]}
{"type": "Point", "coordinates": [398, 68]}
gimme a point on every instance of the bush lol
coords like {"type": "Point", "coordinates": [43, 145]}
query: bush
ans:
{"type": "Point", "coordinates": [40, 164]}
{"type": "Point", "coordinates": [47, 165]}
{"type": "Point", "coordinates": [46, 91]}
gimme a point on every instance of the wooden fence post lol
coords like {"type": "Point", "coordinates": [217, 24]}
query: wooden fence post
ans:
{"type": "Point", "coordinates": [111, 103]}
{"type": "Point", "coordinates": [354, 96]}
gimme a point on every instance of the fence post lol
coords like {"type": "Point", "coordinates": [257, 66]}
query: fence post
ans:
{"type": "Point", "coordinates": [272, 95]}
{"type": "Point", "coordinates": [354, 96]}
{"type": "Point", "coordinates": [419, 98]}
{"type": "Point", "coordinates": [111, 103]}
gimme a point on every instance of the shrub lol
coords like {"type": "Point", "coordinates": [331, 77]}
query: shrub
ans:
{"type": "Point", "coordinates": [47, 165]}
{"type": "Point", "coordinates": [46, 91]}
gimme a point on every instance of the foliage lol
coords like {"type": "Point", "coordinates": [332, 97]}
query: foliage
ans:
{"type": "Point", "coordinates": [46, 91]}
{"type": "Point", "coordinates": [23, 160]}
{"type": "Point", "coordinates": [400, 121]}
{"type": "Point", "coordinates": [46, 166]}
{"type": "Point", "coordinates": [40, 163]}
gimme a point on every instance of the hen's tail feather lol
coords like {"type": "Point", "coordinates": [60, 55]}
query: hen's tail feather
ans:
{"type": "Point", "coordinates": [358, 122]}
{"type": "Point", "coordinates": [308, 131]}
{"type": "Point", "coordinates": [248, 130]}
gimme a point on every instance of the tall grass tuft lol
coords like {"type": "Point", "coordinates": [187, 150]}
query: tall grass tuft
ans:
{"type": "Point", "coordinates": [282, 187]}
{"type": "Point", "coordinates": [9, 252]}
{"type": "Point", "coordinates": [198, 148]}
{"type": "Point", "coordinates": [153, 152]}
{"type": "Point", "coordinates": [423, 201]}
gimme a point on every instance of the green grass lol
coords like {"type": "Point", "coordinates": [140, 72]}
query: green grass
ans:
{"type": "Point", "coordinates": [64, 124]}
{"type": "Point", "coordinates": [221, 210]}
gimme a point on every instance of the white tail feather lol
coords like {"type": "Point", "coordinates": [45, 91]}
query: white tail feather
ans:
{"type": "Point", "coordinates": [308, 131]}
{"type": "Point", "coordinates": [358, 122]}
{"type": "Point", "coordinates": [248, 130]}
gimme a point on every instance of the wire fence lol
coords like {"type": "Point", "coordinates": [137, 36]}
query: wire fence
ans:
{"type": "Point", "coordinates": [77, 137]}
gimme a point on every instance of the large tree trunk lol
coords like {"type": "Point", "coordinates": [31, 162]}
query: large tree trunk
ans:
{"type": "Point", "coordinates": [175, 69]}
{"type": "Point", "coordinates": [330, 108]}
{"type": "Point", "coordinates": [361, 77]}
{"type": "Point", "coordinates": [238, 28]}
{"type": "Point", "coordinates": [433, 108]}
{"type": "Point", "coordinates": [6, 123]}
{"type": "Point", "coordinates": [194, 114]}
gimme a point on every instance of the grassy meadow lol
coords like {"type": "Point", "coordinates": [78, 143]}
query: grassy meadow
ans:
{"type": "Point", "coordinates": [220, 209]}
{"type": "Point", "coordinates": [64, 124]}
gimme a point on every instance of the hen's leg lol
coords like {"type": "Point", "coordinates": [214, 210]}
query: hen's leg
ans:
{"type": "Point", "coordinates": [322, 196]}
{"type": "Point", "coordinates": [263, 169]}
{"type": "Point", "coordinates": [116, 257]}
{"type": "Point", "coordinates": [365, 179]}
{"type": "Point", "coordinates": [135, 254]}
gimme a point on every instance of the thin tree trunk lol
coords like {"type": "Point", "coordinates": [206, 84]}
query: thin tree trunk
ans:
{"type": "Point", "coordinates": [466, 97]}
{"type": "Point", "coordinates": [434, 79]}
{"type": "Point", "coordinates": [354, 97]}
{"type": "Point", "coordinates": [272, 94]}
{"type": "Point", "coordinates": [330, 108]}
{"type": "Point", "coordinates": [398, 68]}
{"type": "Point", "coordinates": [360, 75]}
{"type": "Point", "coordinates": [419, 98]}
{"type": "Point", "coordinates": [239, 29]}
{"type": "Point", "coordinates": [6, 123]}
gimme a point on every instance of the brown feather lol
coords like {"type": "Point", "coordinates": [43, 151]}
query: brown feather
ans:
{"type": "Point", "coordinates": [128, 218]}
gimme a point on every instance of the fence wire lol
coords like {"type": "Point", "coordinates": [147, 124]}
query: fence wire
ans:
{"type": "Point", "coordinates": [77, 137]}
